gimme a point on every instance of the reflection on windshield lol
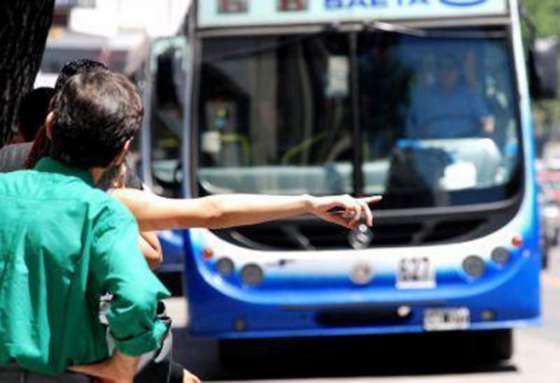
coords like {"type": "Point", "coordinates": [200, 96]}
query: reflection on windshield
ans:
{"type": "Point", "coordinates": [436, 115]}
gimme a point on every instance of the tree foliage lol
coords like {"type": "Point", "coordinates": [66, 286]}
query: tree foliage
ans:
{"type": "Point", "coordinates": [545, 15]}
{"type": "Point", "coordinates": [24, 27]}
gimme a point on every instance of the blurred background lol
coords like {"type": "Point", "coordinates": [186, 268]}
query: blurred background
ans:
{"type": "Point", "coordinates": [117, 33]}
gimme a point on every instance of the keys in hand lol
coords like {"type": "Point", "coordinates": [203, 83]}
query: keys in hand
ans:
{"type": "Point", "coordinates": [360, 237]}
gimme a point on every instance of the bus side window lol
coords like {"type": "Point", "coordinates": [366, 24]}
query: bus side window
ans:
{"type": "Point", "coordinates": [166, 121]}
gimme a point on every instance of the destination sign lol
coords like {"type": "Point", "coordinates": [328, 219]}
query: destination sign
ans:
{"type": "Point", "coordinates": [228, 13]}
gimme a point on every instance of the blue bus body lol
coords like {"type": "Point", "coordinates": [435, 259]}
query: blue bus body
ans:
{"type": "Point", "coordinates": [172, 245]}
{"type": "Point", "coordinates": [293, 302]}
{"type": "Point", "coordinates": [315, 293]}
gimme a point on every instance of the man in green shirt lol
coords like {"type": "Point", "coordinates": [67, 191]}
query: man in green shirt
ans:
{"type": "Point", "coordinates": [64, 243]}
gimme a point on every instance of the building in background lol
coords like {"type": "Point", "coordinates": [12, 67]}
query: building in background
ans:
{"type": "Point", "coordinates": [115, 32]}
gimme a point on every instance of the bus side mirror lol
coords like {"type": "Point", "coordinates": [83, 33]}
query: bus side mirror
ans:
{"type": "Point", "coordinates": [169, 60]}
{"type": "Point", "coordinates": [165, 119]}
{"type": "Point", "coordinates": [543, 68]}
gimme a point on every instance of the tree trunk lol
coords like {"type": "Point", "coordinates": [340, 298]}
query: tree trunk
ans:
{"type": "Point", "coordinates": [24, 27]}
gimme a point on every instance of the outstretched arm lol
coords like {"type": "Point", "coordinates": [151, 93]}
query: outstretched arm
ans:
{"type": "Point", "coordinates": [221, 211]}
{"type": "Point", "coordinates": [151, 249]}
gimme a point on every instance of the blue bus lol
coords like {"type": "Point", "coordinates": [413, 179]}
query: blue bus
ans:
{"type": "Point", "coordinates": [424, 102]}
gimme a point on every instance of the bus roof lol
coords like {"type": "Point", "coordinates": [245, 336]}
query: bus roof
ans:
{"type": "Point", "coordinates": [246, 13]}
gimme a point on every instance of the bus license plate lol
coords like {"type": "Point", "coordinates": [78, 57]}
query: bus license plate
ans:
{"type": "Point", "coordinates": [415, 273]}
{"type": "Point", "coordinates": [447, 319]}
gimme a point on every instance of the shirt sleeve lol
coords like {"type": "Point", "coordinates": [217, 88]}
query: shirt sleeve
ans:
{"type": "Point", "coordinates": [120, 269]}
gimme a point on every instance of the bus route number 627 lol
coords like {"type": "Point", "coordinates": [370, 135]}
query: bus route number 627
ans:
{"type": "Point", "coordinates": [415, 273]}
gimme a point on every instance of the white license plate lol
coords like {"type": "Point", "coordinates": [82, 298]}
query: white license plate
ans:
{"type": "Point", "coordinates": [415, 273]}
{"type": "Point", "coordinates": [447, 319]}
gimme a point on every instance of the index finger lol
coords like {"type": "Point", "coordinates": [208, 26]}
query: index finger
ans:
{"type": "Point", "coordinates": [372, 199]}
{"type": "Point", "coordinates": [368, 214]}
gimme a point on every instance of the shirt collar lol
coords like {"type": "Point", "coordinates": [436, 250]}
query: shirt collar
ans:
{"type": "Point", "coordinates": [50, 165]}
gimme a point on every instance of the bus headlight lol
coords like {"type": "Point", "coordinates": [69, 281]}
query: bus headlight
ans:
{"type": "Point", "coordinates": [474, 266]}
{"type": "Point", "coordinates": [225, 266]}
{"type": "Point", "coordinates": [500, 255]}
{"type": "Point", "coordinates": [252, 275]}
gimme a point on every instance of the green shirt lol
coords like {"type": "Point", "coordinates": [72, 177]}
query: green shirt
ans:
{"type": "Point", "coordinates": [63, 244]}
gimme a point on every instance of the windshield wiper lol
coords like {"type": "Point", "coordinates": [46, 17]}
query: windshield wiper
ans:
{"type": "Point", "coordinates": [384, 26]}
{"type": "Point", "coordinates": [396, 28]}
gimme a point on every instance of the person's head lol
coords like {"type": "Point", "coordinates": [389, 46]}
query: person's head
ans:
{"type": "Point", "coordinates": [448, 72]}
{"type": "Point", "coordinates": [41, 144]}
{"type": "Point", "coordinates": [74, 67]}
{"type": "Point", "coordinates": [93, 119]}
{"type": "Point", "coordinates": [32, 112]}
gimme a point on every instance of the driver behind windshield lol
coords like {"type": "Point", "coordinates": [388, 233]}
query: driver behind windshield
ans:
{"type": "Point", "coordinates": [448, 106]}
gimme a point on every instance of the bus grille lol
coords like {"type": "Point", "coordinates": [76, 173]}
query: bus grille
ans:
{"type": "Point", "coordinates": [314, 235]}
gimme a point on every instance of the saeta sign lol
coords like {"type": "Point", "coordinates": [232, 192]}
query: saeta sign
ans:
{"type": "Point", "coordinates": [276, 12]}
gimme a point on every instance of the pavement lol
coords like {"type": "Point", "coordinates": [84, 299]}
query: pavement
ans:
{"type": "Point", "coordinates": [403, 359]}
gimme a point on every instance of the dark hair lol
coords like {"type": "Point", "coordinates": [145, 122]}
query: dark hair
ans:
{"type": "Point", "coordinates": [41, 144]}
{"type": "Point", "coordinates": [74, 67]}
{"type": "Point", "coordinates": [32, 112]}
{"type": "Point", "coordinates": [94, 115]}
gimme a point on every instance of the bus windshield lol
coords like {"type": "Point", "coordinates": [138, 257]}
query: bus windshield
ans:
{"type": "Point", "coordinates": [433, 116]}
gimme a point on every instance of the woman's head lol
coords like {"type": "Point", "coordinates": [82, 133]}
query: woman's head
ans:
{"type": "Point", "coordinates": [32, 112]}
